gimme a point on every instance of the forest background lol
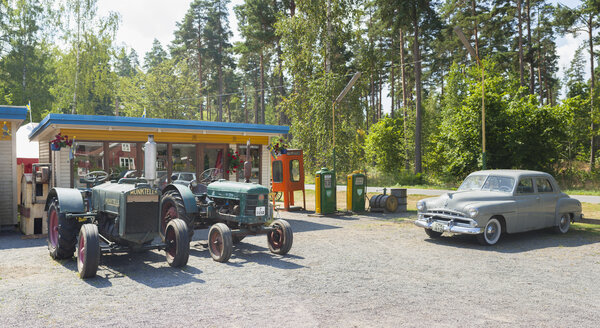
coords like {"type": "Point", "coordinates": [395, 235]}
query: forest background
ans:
{"type": "Point", "coordinates": [294, 58]}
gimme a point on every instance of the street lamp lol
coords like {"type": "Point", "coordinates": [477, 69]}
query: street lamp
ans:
{"type": "Point", "coordinates": [471, 51]}
{"type": "Point", "coordinates": [337, 101]}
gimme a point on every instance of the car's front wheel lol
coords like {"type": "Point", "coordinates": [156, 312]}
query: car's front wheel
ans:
{"type": "Point", "coordinates": [491, 233]}
{"type": "Point", "coordinates": [564, 223]}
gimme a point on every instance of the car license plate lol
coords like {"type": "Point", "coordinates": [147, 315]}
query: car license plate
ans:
{"type": "Point", "coordinates": [438, 227]}
{"type": "Point", "coordinates": [260, 211]}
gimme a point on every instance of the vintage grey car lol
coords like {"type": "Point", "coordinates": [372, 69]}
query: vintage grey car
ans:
{"type": "Point", "coordinates": [490, 203]}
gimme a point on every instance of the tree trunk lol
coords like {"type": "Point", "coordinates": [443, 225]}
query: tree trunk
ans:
{"type": "Point", "coordinates": [392, 81]}
{"type": "Point", "coordinates": [200, 72]}
{"type": "Point", "coordinates": [245, 106]}
{"type": "Point", "coordinates": [592, 127]}
{"type": "Point", "coordinates": [74, 109]}
{"type": "Point", "coordinates": [404, 113]}
{"type": "Point", "coordinates": [520, 22]}
{"type": "Point", "coordinates": [262, 87]}
{"type": "Point", "coordinates": [418, 113]}
{"type": "Point", "coordinates": [529, 51]}
{"type": "Point", "coordinates": [474, 12]}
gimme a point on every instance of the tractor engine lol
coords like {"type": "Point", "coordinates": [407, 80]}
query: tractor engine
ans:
{"type": "Point", "coordinates": [246, 202]}
{"type": "Point", "coordinates": [127, 211]}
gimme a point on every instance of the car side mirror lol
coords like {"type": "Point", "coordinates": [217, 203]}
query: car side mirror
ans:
{"type": "Point", "coordinates": [173, 177]}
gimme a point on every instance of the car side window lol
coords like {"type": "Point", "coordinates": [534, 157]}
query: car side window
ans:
{"type": "Point", "coordinates": [543, 185]}
{"type": "Point", "coordinates": [525, 186]}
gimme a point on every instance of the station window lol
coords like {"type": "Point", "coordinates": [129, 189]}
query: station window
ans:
{"type": "Point", "coordinates": [184, 158]}
{"type": "Point", "coordinates": [255, 151]}
{"type": "Point", "coordinates": [87, 157]}
{"type": "Point", "coordinates": [277, 171]}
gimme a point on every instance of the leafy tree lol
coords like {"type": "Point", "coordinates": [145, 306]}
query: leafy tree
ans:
{"type": "Point", "coordinates": [383, 145]}
{"type": "Point", "coordinates": [156, 56]}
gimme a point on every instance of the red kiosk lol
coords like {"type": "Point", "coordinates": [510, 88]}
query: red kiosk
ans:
{"type": "Point", "coordinates": [288, 176]}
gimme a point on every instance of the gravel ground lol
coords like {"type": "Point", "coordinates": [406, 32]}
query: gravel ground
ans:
{"type": "Point", "coordinates": [354, 271]}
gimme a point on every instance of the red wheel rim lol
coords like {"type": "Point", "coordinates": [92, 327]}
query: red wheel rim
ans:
{"type": "Point", "coordinates": [53, 228]}
{"type": "Point", "coordinates": [276, 238]}
{"type": "Point", "coordinates": [81, 253]}
{"type": "Point", "coordinates": [169, 212]}
{"type": "Point", "coordinates": [171, 241]}
{"type": "Point", "coordinates": [216, 242]}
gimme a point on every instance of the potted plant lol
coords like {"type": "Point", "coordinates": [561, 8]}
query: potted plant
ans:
{"type": "Point", "coordinates": [234, 161]}
{"type": "Point", "coordinates": [278, 147]}
{"type": "Point", "coordinates": [60, 141]}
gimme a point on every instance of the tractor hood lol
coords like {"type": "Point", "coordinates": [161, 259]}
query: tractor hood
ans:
{"type": "Point", "coordinates": [232, 189]}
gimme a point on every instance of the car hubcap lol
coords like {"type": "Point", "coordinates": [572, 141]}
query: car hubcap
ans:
{"type": "Point", "coordinates": [276, 238]}
{"type": "Point", "coordinates": [491, 232]}
{"type": "Point", "coordinates": [563, 222]}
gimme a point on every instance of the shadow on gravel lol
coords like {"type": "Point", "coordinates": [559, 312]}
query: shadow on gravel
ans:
{"type": "Point", "coordinates": [303, 226]}
{"type": "Point", "coordinates": [249, 253]}
{"type": "Point", "coordinates": [137, 267]}
{"type": "Point", "coordinates": [522, 242]}
{"type": "Point", "coordinates": [14, 239]}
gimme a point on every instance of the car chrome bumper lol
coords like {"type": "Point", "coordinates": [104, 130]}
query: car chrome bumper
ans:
{"type": "Point", "coordinates": [449, 227]}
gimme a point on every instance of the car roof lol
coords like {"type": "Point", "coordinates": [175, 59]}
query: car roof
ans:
{"type": "Point", "coordinates": [511, 173]}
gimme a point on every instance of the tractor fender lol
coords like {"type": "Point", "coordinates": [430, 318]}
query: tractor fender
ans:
{"type": "Point", "coordinates": [69, 200]}
{"type": "Point", "coordinates": [189, 200]}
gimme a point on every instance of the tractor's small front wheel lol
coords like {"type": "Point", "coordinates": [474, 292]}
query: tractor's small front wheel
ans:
{"type": "Point", "coordinates": [220, 243]}
{"type": "Point", "coordinates": [88, 252]}
{"type": "Point", "coordinates": [280, 239]}
{"type": "Point", "coordinates": [177, 242]}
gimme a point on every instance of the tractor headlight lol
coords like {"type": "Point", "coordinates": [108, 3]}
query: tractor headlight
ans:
{"type": "Point", "coordinates": [473, 212]}
{"type": "Point", "coordinates": [421, 206]}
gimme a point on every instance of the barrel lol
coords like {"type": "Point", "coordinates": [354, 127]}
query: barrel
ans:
{"type": "Point", "coordinates": [383, 202]}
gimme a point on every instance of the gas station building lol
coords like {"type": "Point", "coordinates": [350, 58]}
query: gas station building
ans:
{"type": "Point", "coordinates": [115, 143]}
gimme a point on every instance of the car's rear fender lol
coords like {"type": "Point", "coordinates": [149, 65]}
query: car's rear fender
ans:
{"type": "Point", "coordinates": [568, 205]}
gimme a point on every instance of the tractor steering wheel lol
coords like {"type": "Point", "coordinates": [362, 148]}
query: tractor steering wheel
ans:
{"type": "Point", "coordinates": [95, 177]}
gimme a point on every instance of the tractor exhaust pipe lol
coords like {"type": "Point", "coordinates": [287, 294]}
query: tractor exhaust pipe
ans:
{"type": "Point", "coordinates": [150, 160]}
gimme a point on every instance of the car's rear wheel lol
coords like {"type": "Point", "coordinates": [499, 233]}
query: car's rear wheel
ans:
{"type": "Point", "coordinates": [280, 239]}
{"type": "Point", "coordinates": [432, 234]}
{"type": "Point", "coordinates": [564, 223]}
{"type": "Point", "coordinates": [491, 234]}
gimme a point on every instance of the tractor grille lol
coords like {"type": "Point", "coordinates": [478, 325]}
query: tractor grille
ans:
{"type": "Point", "coordinates": [251, 203]}
{"type": "Point", "coordinates": [141, 217]}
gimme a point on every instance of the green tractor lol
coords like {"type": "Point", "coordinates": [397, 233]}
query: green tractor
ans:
{"type": "Point", "coordinates": [231, 211]}
{"type": "Point", "coordinates": [110, 218]}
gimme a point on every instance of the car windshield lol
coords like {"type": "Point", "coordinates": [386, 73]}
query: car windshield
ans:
{"type": "Point", "coordinates": [497, 183]}
{"type": "Point", "coordinates": [487, 183]}
{"type": "Point", "coordinates": [472, 182]}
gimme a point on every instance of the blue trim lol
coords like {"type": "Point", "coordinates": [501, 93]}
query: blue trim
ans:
{"type": "Point", "coordinates": [13, 113]}
{"type": "Point", "coordinates": [154, 123]}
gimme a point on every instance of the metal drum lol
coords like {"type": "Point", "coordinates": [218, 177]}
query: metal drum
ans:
{"type": "Point", "coordinates": [383, 203]}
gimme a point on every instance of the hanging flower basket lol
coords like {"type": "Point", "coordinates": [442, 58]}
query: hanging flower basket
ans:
{"type": "Point", "coordinates": [60, 141]}
{"type": "Point", "coordinates": [277, 148]}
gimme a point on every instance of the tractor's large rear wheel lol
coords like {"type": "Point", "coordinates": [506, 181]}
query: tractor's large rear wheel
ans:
{"type": "Point", "coordinates": [172, 207]}
{"type": "Point", "coordinates": [220, 243]}
{"type": "Point", "coordinates": [62, 233]}
{"type": "Point", "coordinates": [281, 238]}
{"type": "Point", "coordinates": [178, 243]}
{"type": "Point", "coordinates": [88, 254]}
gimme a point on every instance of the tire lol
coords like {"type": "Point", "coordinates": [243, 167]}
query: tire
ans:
{"type": "Point", "coordinates": [172, 207]}
{"type": "Point", "coordinates": [564, 223]}
{"type": "Point", "coordinates": [62, 233]}
{"type": "Point", "coordinates": [220, 242]}
{"type": "Point", "coordinates": [433, 234]}
{"type": "Point", "coordinates": [88, 252]}
{"type": "Point", "coordinates": [491, 234]}
{"type": "Point", "coordinates": [237, 239]}
{"type": "Point", "coordinates": [177, 241]}
{"type": "Point", "coordinates": [280, 240]}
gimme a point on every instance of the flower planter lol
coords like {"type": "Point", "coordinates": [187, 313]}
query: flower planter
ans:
{"type": "Point", "coordinates": [54, 147]}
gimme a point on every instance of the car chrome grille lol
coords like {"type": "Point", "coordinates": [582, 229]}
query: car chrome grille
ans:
{"type": "Point", "coordinates": [447, 216]}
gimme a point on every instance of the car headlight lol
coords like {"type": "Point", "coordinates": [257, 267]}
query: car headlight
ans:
{"type": "Point", "coordinates": [421, 206]}
{"type": "Point", "coordinates": [473, 212]}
